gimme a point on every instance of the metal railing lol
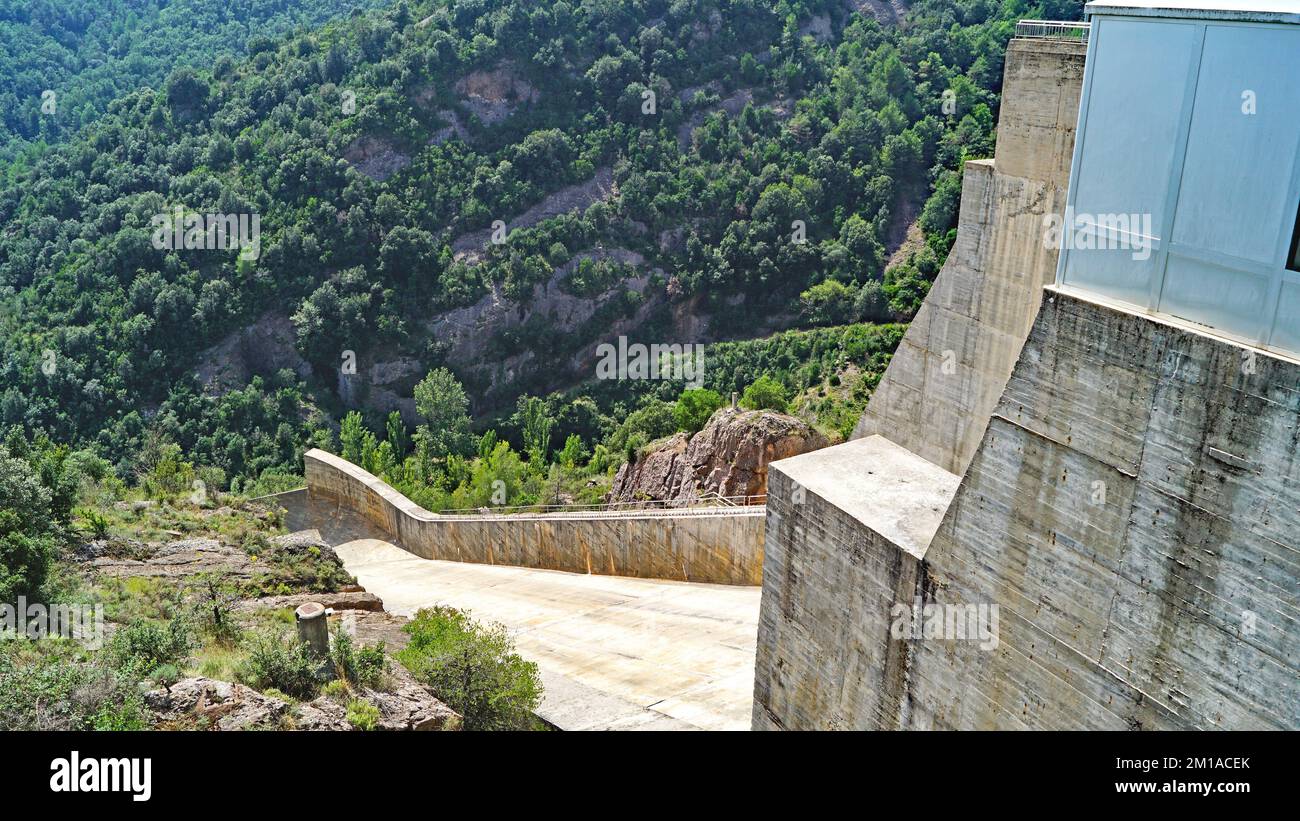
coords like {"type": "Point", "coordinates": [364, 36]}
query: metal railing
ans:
{"type": "Point", "coordinates": [707, 502]}
{"type": "Point", "coordinates": [1053, 30]}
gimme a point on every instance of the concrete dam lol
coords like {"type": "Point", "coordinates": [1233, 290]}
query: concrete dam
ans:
{"type": "Point", "coordinates": [1104, 479]}
{"type": "Point", "coordinates": [1071, 503]}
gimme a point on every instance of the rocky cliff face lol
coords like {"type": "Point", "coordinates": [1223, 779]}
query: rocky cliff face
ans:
{"type": "Point", "coordinates": [728, 457]}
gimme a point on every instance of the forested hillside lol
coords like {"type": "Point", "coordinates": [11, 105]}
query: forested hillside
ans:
{"type": "Point", "coordinates": [693, 171]}
{"type": "Point", "coordinates": [63, 61]}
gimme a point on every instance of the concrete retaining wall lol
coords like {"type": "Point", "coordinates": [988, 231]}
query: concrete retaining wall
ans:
{"type": "Point", "coordinates": [723, 546]}
{"type": "Point", "coordinates": [1132, 511]}
{"type": "Point", "coordinates": [949, 370]}
{"type": "Point", "coordinates": [1143, 483]}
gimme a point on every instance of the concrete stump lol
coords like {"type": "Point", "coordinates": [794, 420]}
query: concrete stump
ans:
{"type": "Point", "coordinates": [313, 630]}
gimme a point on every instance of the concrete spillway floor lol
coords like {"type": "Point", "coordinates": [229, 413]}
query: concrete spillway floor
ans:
{"type": "Point", "coordinates": [614, 652]}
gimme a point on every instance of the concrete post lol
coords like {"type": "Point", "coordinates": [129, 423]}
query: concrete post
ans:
{"type": "Point", "coordinates": [313, 630]}
{"type": "Point", "coordinates": [734, 400]}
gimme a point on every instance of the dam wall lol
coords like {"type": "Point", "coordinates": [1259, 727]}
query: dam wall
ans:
{"type": "Point", "coordinates": [1133, 508]}
{"type": "Point", "coordinates": [713, 545]}
{"type": "Point", "coordinates": [1102, 539]}
{"type": "Point", "coordinates": [951, 366]}
{"type": "Point", "coordinates": [1130, 511]}
{"type": "Point", "coordinates": [838, 563]}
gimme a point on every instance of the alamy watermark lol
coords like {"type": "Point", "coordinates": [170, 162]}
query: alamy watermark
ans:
{"type": "Point", "coordinates": [80, 622]}
{"type": "Point", "coordinates": [179, 230]}
{"type": "Point", "coordinates": [657, 361]}
{"type": "Point", "coordinates": [947, 622]}
{"type": "Point", "coordinates": [125, 775]}
{"type": "Point", "coordinates": [1078, 231]}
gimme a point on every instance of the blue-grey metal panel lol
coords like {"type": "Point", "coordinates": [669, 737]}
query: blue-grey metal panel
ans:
{"type": "Point", "coordinates": [1110, 272]}
{"type": "Point", "coordinates": [1136, 110]}
{"type": "Point", "coordinates": [1234, 196]}
{"type": "Point", "coordinates": [1236, 199]}
{"type": "Point", "coordinates": [1225, 298]}
{"type": "Point", "coordinates": [1286, 336]}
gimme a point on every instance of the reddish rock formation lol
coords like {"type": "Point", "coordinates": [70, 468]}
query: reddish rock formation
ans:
{"type": "Point", "coordinates": [728, 457]}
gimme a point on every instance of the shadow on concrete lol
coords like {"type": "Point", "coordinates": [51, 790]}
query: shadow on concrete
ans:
{"type": "Point", "coordinates": [337, 525]}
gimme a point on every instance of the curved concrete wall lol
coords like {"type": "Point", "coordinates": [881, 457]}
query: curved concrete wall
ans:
{"type": "Point", "coordinates": [717, 546]}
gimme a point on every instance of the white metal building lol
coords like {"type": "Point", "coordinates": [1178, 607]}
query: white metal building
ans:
{"type": "Point", "coordinates": [1185, 186]}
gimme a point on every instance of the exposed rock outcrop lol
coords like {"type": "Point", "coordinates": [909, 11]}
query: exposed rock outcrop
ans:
{"type": "Point", "coordinates": [469, 247]}
{"type": "Point", "coordinates": [189, 557]}
{"type": "Point", "coordinates": [223, 705]}
{"type": "Point", "coordinates": [886, 12]}
{"type": "Point", "coordinates": [728, 457]}
{"type": "Point", "coordinates": [492, 96]}
{"type": "Point", "coordinates": [376, 157]}
{"type": "Point", "coordinates": [262, 348]}
{"type": "Point", "coordinates": [819, 27]}
{"type": "Point", "coordinates": [303, 541]}
{"type": "Point", "coordinates": [355, 600]}
{"type": "Point", "coordinates": [405, 705]}
{"type": "Point", "coordinates": [186, 557]}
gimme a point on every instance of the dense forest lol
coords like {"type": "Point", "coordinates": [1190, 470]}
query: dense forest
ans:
{"type": "Point", "coordinates": [788, 168]}
{"type": "Point", "coordinates": [63, 61]}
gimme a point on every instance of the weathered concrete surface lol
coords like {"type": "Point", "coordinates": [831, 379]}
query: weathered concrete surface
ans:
{"type": "Point", "coordinates": [1145, 477]}
{"type": "Point", "coordinates": [847, 527]}
{"type": "Point", "coordinates": [615, 653]}
{"type": "Point", "coordinates": [884, 487]}
{"type": "Point", "coordinates": [1128, 501]}
{"type": "Point", "coordinates": [721, 546]}
{"type": "Point", "coordinates": [1132, 510]}
{"type": "Point", "coordinates": [949, 370]}
{"type": "Point", "coordinates": [834, 566]}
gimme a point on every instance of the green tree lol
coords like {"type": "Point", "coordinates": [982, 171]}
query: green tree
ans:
{"type": "Point", "coordinates": [352, 433]}
{"type": "Point", "coordinates": [652, 421]}
{"type": "Point", "coordinates": [535, 423]}
{"type": "Point", "coordinates": [26, 538]}
{"type": "Point", "coordinates": [765, 393]}
{"type": "Point", "coordinates": [397, 437]}
{"type": "Point", "coordinates": [441, 400]}
{"type": "Point", "coordinates": [574, 452]}
{"type": "Point", "coordinates": [694, 407]}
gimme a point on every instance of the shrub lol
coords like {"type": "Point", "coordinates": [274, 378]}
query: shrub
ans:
{"type": "Point", "coordinates": [336, 689]}
{"type": "Point", "coordinates": [765, 393]}
{"type": "Point", "coordinates": [96, 522]}
{"type": "Point", "coordinates": [166, 674]}
{"type": "Point", "coordinates": [362, 714]}
{"type": "Point", "coordinates": [212, 610]}
{"type": "Point", "coordinates": [55, 693]}
{"type": "Point", "coordinates": [473, 668]}
{"type": "Point", "coordinates": [271, 481]}
{"type": "Point", "coordinates": [144, 646]}
{"type": "Point", "coordinates": [871, 305]}
{"type": "Point", "coordinates": [828, 303]}
{"type": "Point", "coordinates": [276, 661]}
{"type": "Point", "coordinates": [363, 666]}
